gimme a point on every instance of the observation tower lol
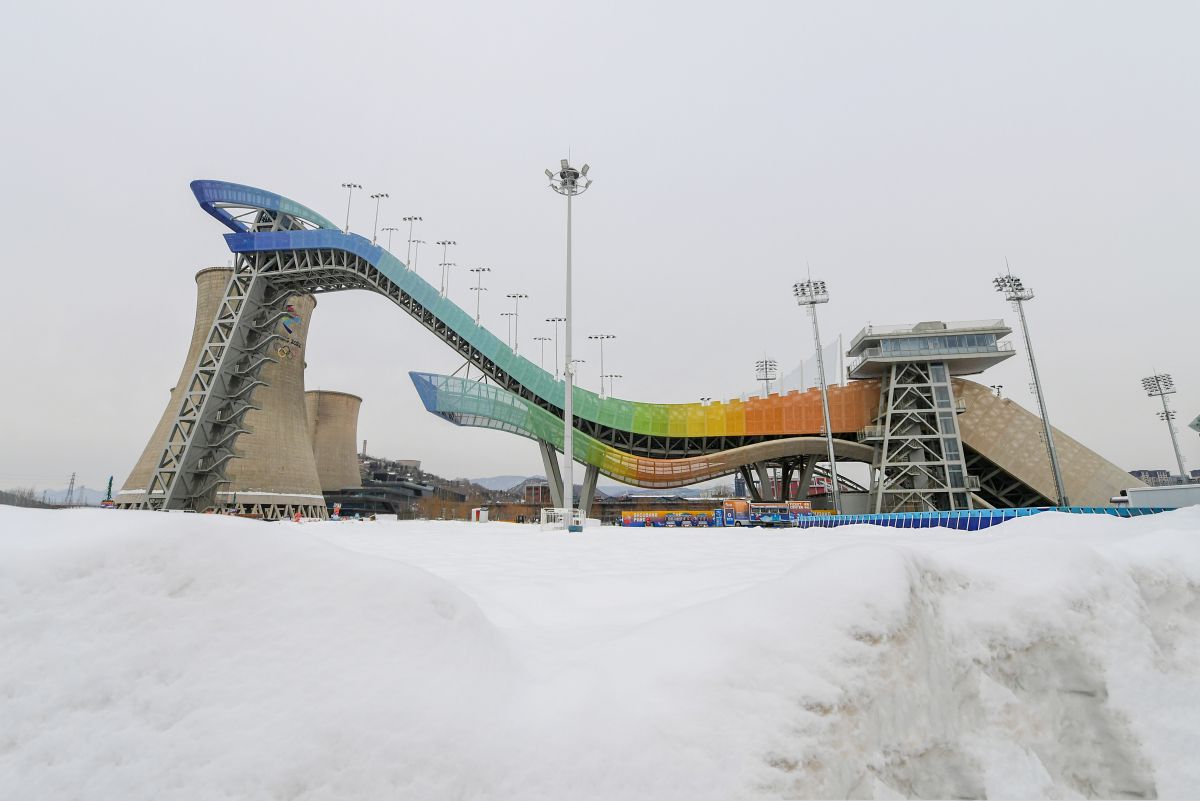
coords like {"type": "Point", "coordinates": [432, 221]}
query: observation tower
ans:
{"type": "Point", "coordinates": [919, 464]}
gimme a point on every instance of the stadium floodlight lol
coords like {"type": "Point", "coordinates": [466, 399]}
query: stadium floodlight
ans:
{"type": "Point", "coordinates": [809, 293]}
{"type": "Point", "coordinates": [1160, 385]}
{"type": "Point", "coordinates": [408, 256]}
{"type": "Point", "coordinates": [479, 288]}
{"type": "Point", "coordinates": [705, 401]}
{"type": "Point", "coordinates": [1015, 291]}
{"type": "Point", "coordinates": [765, 370]}
{"type": "Point", "coordinates": [378, 198]}
{"type": "Point", "coordinates": [542, 342]}
{"type": "Point", "coordinates": [611, 378]}
{"type": "Point", "coordinates": [517, 297]}
{"type": "Point", "coordinates": [446, 265]}
{"type": "Point", "coordinates": [389, 230]}
{"type": "Point", "coordinates": [566, 182]}
{"type": "Point", "coordinates": [446, 245]}
{"type": "Point", "coordinates": [601, 338]}
{"type": "Point", "coordinates": [349, 187]}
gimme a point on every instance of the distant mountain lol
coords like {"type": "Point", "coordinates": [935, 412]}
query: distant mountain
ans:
{"type": "Point", "coordinates": [498, 483]}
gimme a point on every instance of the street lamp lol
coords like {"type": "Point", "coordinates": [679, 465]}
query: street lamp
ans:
{"type": "Point", "coordinates": [542, 359]}
{"type": "Point", "coordinates": [509, 316]}
{"type": "Point", "coordinates": [350, 187]}
{"type": "Point", "coordinates": [601, 338]}
{"type": "Point", "coordinates": [1016, 293]}
{"type": "Point", "coordinates": [516, 299]}
{"type": "Point", "coordinates": [569, 182]}
{"type": "Point", "coordinates": [479, 288]}
{"type": "Point", "coordinates": [378, 198]}
{"type": "Point", "coordinates": [1161, 385]}
{"type": "Point", "coordinates": [445, 243]}
{"type": "Point", "coordinates": [556, 321]}
{"type": "Point", "coordinates": [611, 377]}
{"type": "Point", "coordinates": [409, 254]}
{"type": "Point", "coordinates": [765, 371]}
{"type": "Point", "coordinates": [996, 388]}
{"type": "Point", "coordinates": [390, 231]}
{"type": "Point", "coordinates": [808, 294]}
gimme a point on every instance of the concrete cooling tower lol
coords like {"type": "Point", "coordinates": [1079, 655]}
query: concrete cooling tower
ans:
{"type": "Point", "coordinates": [275, 475]}
{"type": "Point", "coordinates": [333, 432]}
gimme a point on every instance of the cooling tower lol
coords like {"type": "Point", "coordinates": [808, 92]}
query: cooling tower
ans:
{"type": "Point", "coordinates": [333, 432]}
{"type": "Point", "coordinates": [275, 475]}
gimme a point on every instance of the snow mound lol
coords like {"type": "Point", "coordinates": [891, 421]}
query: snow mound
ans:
{"type": "Point", "coordinates": [179, 656]}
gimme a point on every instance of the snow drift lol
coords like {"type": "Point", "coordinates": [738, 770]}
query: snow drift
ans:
{"type": "Point", "coordinates": [181, 656]}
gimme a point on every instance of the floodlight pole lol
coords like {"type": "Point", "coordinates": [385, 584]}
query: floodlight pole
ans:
{"type": "Point", "coordinates": [1016, 293]}
{"type": "Point", "coordinates": [542, 341]}
{"type": "Point", "coordinates": [809, 293]}
{"type": "Point", "coordinates": [556, 321]}
{"type": "Point", "coordinates": [567, 182]}
{"type": "Point", "coordinates": [601, 338]}
{"type": "Point", "coordinates": [509, 317]}
{"type": "Point", "coordinates": [390, 231]}
{"type": "Point", "coordinates": [516, 299]}
{"type": "Point", "coordinates": [445, 243]}
{"type": "Point", "coordinates": [409, 253]}
{"type": "Point", "coordinates": [1162, 385]}
{"type": "Point", "coordinates": [479, 287]}
{"type": "Point", "coordinates": [350, 187]}
{"type": "Point", "coordinates": [378, 198]}
{"type": "Point", "coordinates": [415, 244]}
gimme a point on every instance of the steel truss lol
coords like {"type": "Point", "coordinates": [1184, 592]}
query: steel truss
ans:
{"type": "Point", "coordinates": [918, 463]}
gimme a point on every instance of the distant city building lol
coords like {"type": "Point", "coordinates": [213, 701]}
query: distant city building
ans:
{"type": "Point", "coordinates": [1155, 478]}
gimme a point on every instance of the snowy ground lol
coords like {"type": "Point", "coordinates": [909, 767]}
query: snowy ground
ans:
{"type": "Point", "coordinates": [191, 657]}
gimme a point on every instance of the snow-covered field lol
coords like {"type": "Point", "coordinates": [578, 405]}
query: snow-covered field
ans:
{"type": "Point", "coordinates": [163, 657]}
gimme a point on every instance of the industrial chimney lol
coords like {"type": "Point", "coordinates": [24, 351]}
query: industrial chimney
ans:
{"type": "Point", "coordinates": [275, 475]}
{"type": "Point", "coordinates": [333, 432]}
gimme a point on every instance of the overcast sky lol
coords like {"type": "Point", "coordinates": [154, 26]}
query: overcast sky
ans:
{"type": "Point", "coordinates": [903, 150]}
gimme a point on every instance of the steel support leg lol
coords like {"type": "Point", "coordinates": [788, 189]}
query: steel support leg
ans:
{"type": "Point", "coordinates": [587, 493]}
{"type": "Point", "coordinates": [553, 476]}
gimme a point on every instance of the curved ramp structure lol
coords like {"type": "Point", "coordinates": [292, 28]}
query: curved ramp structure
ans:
{"type": "Point", "coordinates": [282, 247]}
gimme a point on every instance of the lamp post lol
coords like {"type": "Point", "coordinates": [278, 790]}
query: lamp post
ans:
{"type": "Point", "coordinates": [542, 341]}
{"type": "Point", "coordinates": [516, 299]}
{"type": "Point", "coordinates": [349, 187]}
{"type": "Point", "coordinates": [765, 371]}
{"type": "Point", "coordinates": [611, 377]}
{"type": "Point", "coordinates": [509, 316]}
{"type": "Point", "coordinates": [601, 339]}
{"type": "Point", "coordinates": [705, 401]}
{"type": "Point", "coordinates": [390, 231]}
{"type": "Point", "coordinates": [378, 198]}
{"type": "Point", "coordinates": [409, 253]}
{"type": "Point", "coordinates": [556, 321]}
{"type": "Point", "coordinates": [568, 182]}
{"type": "Point", "coordinates": [445, 243]}
{"type": "Point", "coordinates": [996, 388]}
{"type": "Point", "coordinates": [416, 251]}
{"type": "Point", "coordinates": [446, 265]}
{"type": "Point", "coordinates": [1161, 385]}
{"type": "Point", "coordinates": [808, 294]}
{"type": "Point", "coordinates": [479, 288]}
{"type": "Point", "coordinates": [1016, 293]}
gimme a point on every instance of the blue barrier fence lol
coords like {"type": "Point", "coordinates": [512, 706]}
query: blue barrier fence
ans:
{"type": "Point", "coordinates": [967, 520]}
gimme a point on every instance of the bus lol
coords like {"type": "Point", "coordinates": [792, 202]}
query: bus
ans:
{"type": "Point", "coordinates": [769, 514]}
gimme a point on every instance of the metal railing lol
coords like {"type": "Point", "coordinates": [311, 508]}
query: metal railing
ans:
{"type": "Point", "coordinates": [924, 354]}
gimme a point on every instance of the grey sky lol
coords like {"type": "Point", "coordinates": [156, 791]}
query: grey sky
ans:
{"type": "Point", "coordinates": [903, 149]}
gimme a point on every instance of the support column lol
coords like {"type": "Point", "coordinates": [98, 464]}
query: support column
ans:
{"type": "Point", "coordinates": [587, 493]}
{"type": "Point", "coordinates": [806, 475]}
{"type": "Point", "coordinates": [754, 494]}
{"type": "Point", "coordinates": [764, 481]}
{"type": "Point", "coordinates": [553, 476]}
